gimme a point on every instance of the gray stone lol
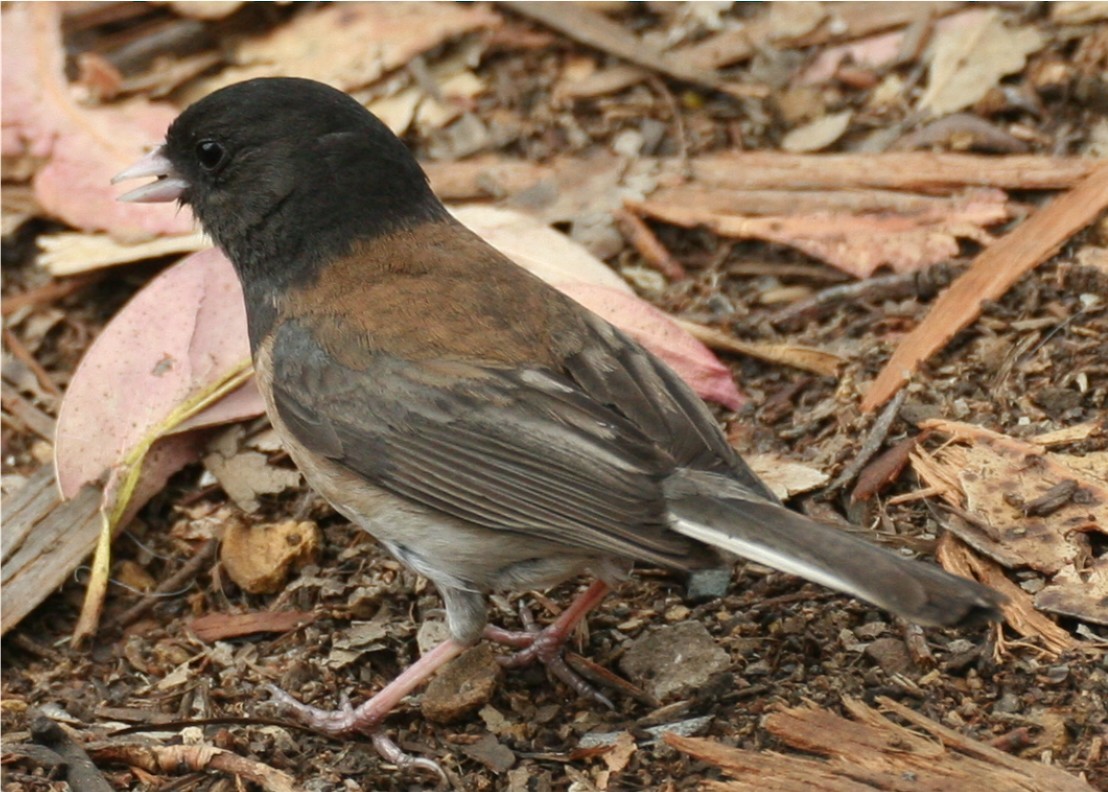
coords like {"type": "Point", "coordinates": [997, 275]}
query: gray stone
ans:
{"type": "Point", "coordinates": [706, 584]}
{"type": "Point", "coordinates": [674, 660]}
{"type": "Point", "coordinates": [891, 654]}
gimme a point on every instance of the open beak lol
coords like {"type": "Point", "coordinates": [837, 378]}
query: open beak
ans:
{"type": "Point", "coordinates": [169, 185]}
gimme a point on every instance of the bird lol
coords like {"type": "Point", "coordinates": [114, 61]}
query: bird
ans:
{"type": "Point", "coordinates": [490, 432]}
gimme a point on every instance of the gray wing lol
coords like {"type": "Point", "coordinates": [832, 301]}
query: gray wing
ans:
{"type": "Point", "coordinates": [567, 455]}
{"type": "Point", "coordinates": [616, 371]}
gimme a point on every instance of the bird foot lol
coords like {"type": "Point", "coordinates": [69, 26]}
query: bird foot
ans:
{"type": "Point", "coordinates": [365, 720]}
{"type": "Point", "coordinates": [543, 645]}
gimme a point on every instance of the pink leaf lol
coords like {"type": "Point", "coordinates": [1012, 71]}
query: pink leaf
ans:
{"type": "Point", "coordinates": [178, 337]}
{"type": "Point", "coordinates": [82, 147]}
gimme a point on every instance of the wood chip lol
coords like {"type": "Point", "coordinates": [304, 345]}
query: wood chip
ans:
{"type": "Point", "coordinates": [213, 627]}
{"type": "Point", "coordinates": [871, 752]}
{"type": "Point", "coordinates": [992, 273]}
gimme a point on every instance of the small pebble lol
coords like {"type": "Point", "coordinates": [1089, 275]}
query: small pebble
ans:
{"type": "Point", "coordinates": [466, 684]}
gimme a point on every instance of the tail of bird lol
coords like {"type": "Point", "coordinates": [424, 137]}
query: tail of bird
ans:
{"type": "Point", "coordinates": [718, 511]}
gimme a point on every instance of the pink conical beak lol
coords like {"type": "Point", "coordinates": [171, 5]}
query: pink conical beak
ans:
{"type": "Point", "coordinates": [169, 185]}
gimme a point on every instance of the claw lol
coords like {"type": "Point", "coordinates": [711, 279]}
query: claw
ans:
{"type": "Point", "coordinates": [366, 719]}
{"type": "Point", "coordinates": [546, 644]}
{"type": "Point", "coordinates": [404, 761]}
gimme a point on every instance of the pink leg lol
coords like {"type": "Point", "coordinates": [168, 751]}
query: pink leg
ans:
{"type": "Point", "coordinates": [367, 718]}
{"type": "Point", "coordinates": [546, 645]}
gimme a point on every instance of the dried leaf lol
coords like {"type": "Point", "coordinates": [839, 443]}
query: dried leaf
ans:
{"type": "Point", "coordinates": [165, 349]}
{"type": "Point", "coordinates": [873, 52]}
{"type": "Point", "coordinates": [537, 247]}
{"type": "Point", "coordinates": [1080, 594]}
{"type": "Point", "coordinates": [819, 134]}
{"type": "Point", "coordinates": [72, 254]}
{"type": "Point", "coordinates": [349, 45]}
{"type": "Point", "coordinates": [163, 359]}
{"type": "Point", "coordinates": [784, 477]}
{"type": "Point", "coordinates": [970, 58]}
{"type": "Point", "coordinates": [205, 9]}
{"type": "Point", "coordinates": [80, 147]}
{"type": "Point", "coordinates": [245, 474]}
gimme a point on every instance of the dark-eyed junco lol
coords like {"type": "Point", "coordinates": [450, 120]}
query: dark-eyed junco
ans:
{"type": "Point", "coordinates": [489, 431]}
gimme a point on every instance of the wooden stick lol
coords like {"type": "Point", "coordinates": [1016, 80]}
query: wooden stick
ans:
{"type": "Point", "coordinates": [992, 273]}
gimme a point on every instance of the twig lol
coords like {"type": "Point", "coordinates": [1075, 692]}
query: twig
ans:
{"type": "Point", "coordinates": [33, 418]}
{"type": "Point", "coordinates": [678, 122]}
{"type": "Point", "coordinates": [47, 293]}
{"type": "Point", "coordinates": [172, 583]}
{"type": "Point", "coordinates": [20, 351]}
{"type": "Point", "coordinates": [869, 290]}
{"type": "Point", "coordinates": [916, 641]}
{"type": "Point", "coordinates": [646, 243]}
{"type": "Point", "coordinates": [81, 771]}
{"type": "Point", "coordinates": [870, 445]}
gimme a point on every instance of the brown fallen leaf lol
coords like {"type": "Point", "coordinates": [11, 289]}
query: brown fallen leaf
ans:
{"type": "Point", "coordinates": [969, 58]}
{"type": "Point", "coordinates": [348, 45]}
{"type": "Point", "coordinates": [786, 478]}
{"type": "Point", "coordinates": [245, 474]}
{"type": "Point", "coordinates": [80, 148]}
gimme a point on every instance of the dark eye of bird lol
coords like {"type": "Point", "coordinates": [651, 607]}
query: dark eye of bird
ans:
{"type": "Point", "coordinates": [209, 154]}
